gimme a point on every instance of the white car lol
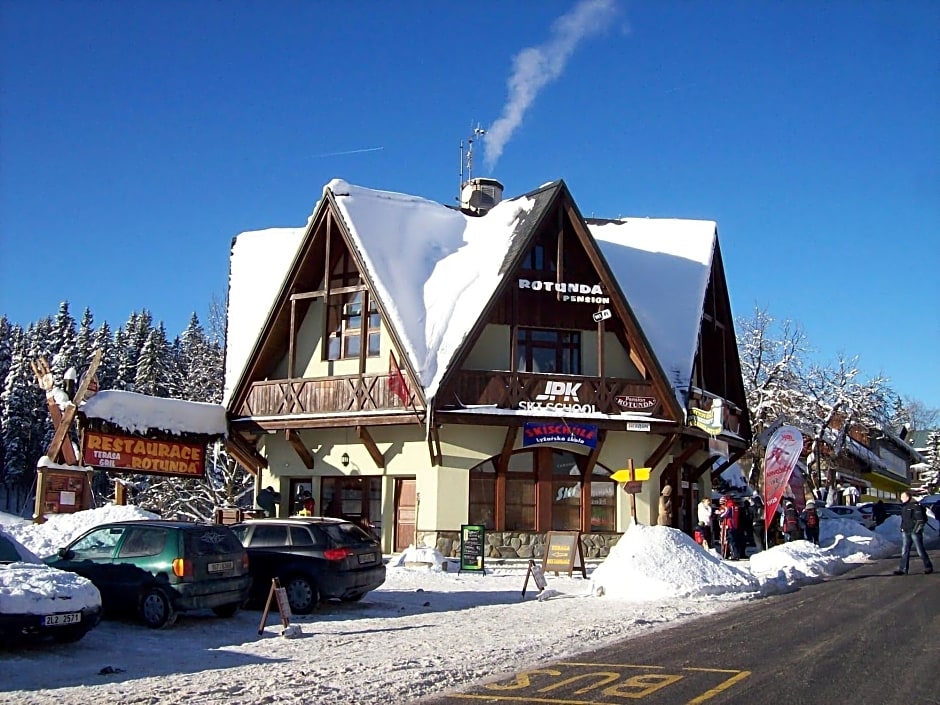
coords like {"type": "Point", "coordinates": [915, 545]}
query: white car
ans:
{"type": "Point", "coordinates": [37, 601]}
{"type": "Point", "coordinates": [839, 511]}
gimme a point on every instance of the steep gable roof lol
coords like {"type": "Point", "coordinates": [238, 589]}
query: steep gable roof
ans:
{"type": "Point", "coordinates": [435, 268]}
{"type": "Point", "coordinates": [663, 266]}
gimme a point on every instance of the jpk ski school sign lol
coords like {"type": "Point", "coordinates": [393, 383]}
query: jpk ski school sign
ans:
{"type": "Point", "coordinates": [143, 455]}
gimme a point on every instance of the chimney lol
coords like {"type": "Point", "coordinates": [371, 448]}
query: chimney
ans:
{"type": "Point", "coordinates": [479, 195]}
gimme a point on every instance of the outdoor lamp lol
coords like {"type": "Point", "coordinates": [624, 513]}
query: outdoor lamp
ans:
{"type": "Point", "coordinates": [345, 459]}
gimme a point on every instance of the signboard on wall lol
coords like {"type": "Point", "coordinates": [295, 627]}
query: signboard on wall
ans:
{"type": "Point", "coordinates": [143, 455]}
{"type": "Point", "coordinates": [539, 432]}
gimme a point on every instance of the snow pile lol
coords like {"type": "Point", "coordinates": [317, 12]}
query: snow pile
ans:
{"type": "Point", "coordinates": [32, 587]}
{"type": "Point", "coordinates": [653, 562]}
{"type": "Point", "coordinates": [59, 529]}
{"type": "Point", "coordinates": [854, 543]}
{"type": "Point", "coordinates": [423, 557]}
{"type": "Point", "coordinates": [794, 562]}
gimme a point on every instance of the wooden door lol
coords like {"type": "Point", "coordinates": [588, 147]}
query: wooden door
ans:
{"type": "Point", "coordinates": [406, 513]}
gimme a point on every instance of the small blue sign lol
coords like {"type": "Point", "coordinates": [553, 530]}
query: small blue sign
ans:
{"type": "Point", "coordinates": [538, 432]}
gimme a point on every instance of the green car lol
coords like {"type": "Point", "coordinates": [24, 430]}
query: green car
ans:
{"type": "Point", "coordinates": [156, 569]}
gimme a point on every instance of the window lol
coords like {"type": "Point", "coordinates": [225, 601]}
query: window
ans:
{"type": "Point", "coordinates": [346, 326]}
{"type": "Point", "coordinates": [549, 351]}
{"type": "Point", "coordinates": [269, 536]}
{"type": "Point", "coordinates": [143, 542]}
{"type": "Point", "coordinates": [98, 544]}
{"type": "Point", "coordinates": [566, 492]}
{"type": "Point", "coordinates": [482, 507]}
{"type": "Point", "coordinates": [520, 492]}
{"type": "Point", "coordinates": [537, 259]}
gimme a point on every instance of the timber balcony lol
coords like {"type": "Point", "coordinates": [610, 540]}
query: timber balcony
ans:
{"type": "Point", "coordinates": [504, 390]}
{"type": "Point", "coordinates": [348, 394]}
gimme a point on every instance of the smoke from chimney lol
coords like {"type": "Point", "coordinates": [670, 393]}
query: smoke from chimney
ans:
{"type": "Point", "coordinates": [534, 67]}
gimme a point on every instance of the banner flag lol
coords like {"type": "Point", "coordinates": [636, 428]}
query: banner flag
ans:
{"type": "Point", "coordinates": [396, 381]}
{"type": "Point", "coordinates": [783, 452]}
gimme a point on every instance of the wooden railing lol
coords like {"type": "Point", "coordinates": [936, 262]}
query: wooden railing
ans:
{"type": "Point", "coordinates": [288, 397]}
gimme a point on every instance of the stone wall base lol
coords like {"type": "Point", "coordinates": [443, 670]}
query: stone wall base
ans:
{"type": "Point", "coordinates": [514, 544]}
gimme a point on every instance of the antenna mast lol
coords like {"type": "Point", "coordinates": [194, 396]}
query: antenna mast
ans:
{"type": "Point", "coordinates": [476, 132]}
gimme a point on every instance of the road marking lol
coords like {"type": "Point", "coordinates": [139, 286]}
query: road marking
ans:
{"type": "Point", "coordinates": [611, 683]}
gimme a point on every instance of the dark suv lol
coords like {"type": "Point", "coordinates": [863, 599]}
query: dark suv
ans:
{"type": "Point", "coordinates": [315, 558]}
{"type": "Point", "coordinates": [157, 568]}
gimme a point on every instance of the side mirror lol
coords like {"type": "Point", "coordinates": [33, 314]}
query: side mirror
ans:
{"type": "Point", "coordinates": [64, 553]}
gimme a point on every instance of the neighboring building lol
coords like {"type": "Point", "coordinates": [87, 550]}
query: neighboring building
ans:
{"type": "Point", "coordinates": [420, 367]}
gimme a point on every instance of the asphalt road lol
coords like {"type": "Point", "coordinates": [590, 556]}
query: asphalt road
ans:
{"type": "Point", "coordinates": [864, 638]}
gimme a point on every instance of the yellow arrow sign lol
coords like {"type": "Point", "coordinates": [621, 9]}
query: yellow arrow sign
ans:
{"type": "Point", "coordinates": [638, 474]}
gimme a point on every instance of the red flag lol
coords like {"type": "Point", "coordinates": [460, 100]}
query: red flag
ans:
{"type": "Point", "coordinates": [396, 381]}
{"type": "Point", "coordinates": [783, 451]}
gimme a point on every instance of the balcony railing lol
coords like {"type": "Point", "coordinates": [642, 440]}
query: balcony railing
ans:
{"type": "Point", "coordinates": [289, 397]}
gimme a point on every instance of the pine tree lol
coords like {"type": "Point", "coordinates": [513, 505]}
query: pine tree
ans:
{"type": "Point", "coordinates": [85, 342]}
{"type": "Point", "coordinates": [63, 345]}
{"type": "Point", "coordinates": [19, 429]}
{"type": "Point", "coordinates": [153, 365]}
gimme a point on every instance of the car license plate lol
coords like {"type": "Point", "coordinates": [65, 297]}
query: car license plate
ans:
{"type": "Point", "coordinates": [59, 620]}
{"type": "Point", "coordinates": [219, 567]}
{"type": "Point", "coordinates": [366, 557]}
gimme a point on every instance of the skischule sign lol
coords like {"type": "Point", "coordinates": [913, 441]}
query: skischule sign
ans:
{"type": "Point", "coordinates": [582, 434]}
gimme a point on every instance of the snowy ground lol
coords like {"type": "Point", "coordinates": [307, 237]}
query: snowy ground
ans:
{"type": "Point", "coordinates": [425, 631]}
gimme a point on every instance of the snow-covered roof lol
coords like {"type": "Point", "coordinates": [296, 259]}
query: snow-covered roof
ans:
{"type": "Point", "coordinates": [435, 268]}
{"type": "Point", "coordinates": [662, 266]}
{"type": "Point", "coordinates": [140, 413]}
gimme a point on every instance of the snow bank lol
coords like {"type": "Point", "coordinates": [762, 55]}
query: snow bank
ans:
{"type": "Point", "coordinates": [46, 539]}
{"type": "Point", "coordinates": [655, 562]}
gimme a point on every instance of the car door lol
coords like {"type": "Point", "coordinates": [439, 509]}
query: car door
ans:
{"type": "Point", "coordinates": [91, 556]}
{"type": "Point", "coordinates": [267, 549]}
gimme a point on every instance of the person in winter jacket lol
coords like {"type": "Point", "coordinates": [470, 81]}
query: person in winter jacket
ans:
{"type": "Point", "coordinates": [705, 512]}
{"type": "Point", "coordinates": [810, 520]}
{"type": "Point", "coordinates": [913, 520]}
{"type": "Point", "coordinates": [757, 517]}
{"type": "Point", "coordinates": [730, 529]}
{"type": "Point", "coordinates": [790, 522]}
{"type": "Point", "coordinates": [665, 507]}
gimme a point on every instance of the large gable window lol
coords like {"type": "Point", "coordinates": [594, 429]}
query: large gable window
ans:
{"type": "Point", "coordinates": [537, 259]}
{"type": "Point", "coordinates": [352, 316]}
{"type": "Point", "coordinates": [549, 351]}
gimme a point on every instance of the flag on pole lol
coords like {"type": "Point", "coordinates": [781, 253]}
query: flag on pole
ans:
{"type": "Point", "coordinates": [783, 452]}
{"type": "Point", "coordinates": [396, 381]}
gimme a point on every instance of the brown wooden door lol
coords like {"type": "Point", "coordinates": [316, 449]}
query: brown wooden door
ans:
{"type": "Point", "coordinates": [406, 513]}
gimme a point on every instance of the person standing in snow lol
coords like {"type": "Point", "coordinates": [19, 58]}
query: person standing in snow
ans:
{"type": "Point", "coordinates": [665, 507]}
{"type": "Point", "coordinates": [730, 540]}
{"type": "Point", "coordinates": [913, 520]}
{"type": "Point", "coordinates": [705, 519]}
{"type": "Point", "coordinates": [757, 516]}
{"type": "Point", "coordinates": [810, 520]}
{"type": "Point", "coordinates": [790, 522]}
{"type": "Point", "coordinates": [879, 512]}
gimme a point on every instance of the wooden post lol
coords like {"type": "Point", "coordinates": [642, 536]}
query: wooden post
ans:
{"type": "Point", "coordinates": [632, 495]}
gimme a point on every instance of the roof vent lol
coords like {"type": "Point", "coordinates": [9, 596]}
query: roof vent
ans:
{"type": "Point", "coordinates": [480, 195]}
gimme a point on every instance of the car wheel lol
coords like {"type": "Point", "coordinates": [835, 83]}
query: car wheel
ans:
{"type": "Point", "coordinates": [156, 609]}
{"type": "Point", "coordinates": [302, 595]}
{"type": "Point", "coordinates": [68, 635]}
{"type": "Point", "coordinates": [228, 610]}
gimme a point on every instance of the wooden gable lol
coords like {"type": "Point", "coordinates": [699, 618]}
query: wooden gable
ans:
{"type": "Point", "coordinates": [557, 279]}
{"type": "Point", "coordinates": [717, 365]}
{"type": "Point", "coordinates": [326, 264]}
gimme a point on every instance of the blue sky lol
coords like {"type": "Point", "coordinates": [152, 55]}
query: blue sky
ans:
{"type": "Point", "coordinates": [138, 138]}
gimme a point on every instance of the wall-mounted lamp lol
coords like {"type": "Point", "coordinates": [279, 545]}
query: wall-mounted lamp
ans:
{"type": "Point", "coordinates": [345, 460]}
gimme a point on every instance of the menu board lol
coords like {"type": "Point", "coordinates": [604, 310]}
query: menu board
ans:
{"type": "Point", "coordinates": [472, 544]}
{"type": "Point", "coordinates": [563, 553]}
